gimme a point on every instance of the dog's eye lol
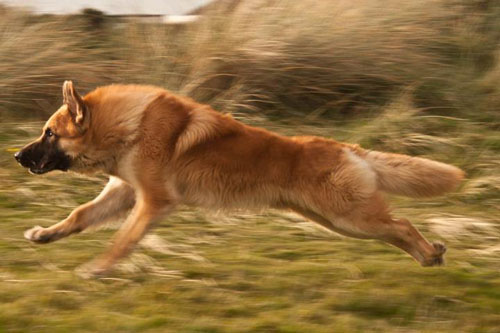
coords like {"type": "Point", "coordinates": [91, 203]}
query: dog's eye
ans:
{"type": "Point", "coordinates": [48, 132]}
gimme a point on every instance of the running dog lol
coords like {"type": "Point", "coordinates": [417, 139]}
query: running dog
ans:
{"type": "Point", "coordinates": [161, 150]}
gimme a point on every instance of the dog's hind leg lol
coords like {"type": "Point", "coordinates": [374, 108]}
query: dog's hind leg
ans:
{"type": "Point", "coordinates": [372, 221]}
{"type": "Point", "coordinates": [116, 198]}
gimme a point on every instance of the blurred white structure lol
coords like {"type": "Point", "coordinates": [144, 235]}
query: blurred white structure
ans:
{"type": "Point", "coordinates": [163, 8]}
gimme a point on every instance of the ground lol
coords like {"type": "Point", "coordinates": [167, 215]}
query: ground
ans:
{"type": "Point", "coordinates": [265, 272]}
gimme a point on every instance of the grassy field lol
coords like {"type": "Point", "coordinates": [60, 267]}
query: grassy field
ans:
{"type": "Point", "coordinates": [414, 77]}
{"type": "Point", "coordinates": [267, 272]}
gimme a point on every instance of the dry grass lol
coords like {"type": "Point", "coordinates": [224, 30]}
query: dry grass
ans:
{"type": "Point", "coordinates": [280, 57]}
{"type": "Point", "coordinates": [302, 57]}
{"type": "Point", "coordinates": [37, 54]}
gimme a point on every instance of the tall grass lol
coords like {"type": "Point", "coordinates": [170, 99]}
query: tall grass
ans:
{"type": "Point", "coordinates": [303, 57]}
{"type": "Point", "coordinates": [38, 53]}
{"type": "Point", "coordinates": [280, 57]}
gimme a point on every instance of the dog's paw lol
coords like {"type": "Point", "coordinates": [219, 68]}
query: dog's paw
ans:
{"type": "Point", "coordinates": [437, 258]}
{"type": "Point", "coordinates": [39, 235]}
{"type": "Point", "coordinates": [439, 247]}
{"type": "Point", "coordinates": [91, 270]}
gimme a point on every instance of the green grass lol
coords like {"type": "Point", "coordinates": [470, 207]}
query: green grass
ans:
{"type": "Point", "coordinates": [265, 272]}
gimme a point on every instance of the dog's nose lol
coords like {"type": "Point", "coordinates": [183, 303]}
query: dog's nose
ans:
{"type": "Point", "coordinates": [18, 156]}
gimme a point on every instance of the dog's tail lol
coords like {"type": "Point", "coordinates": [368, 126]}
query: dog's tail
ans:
{"type": "Point", "coordinates": [411, 176]}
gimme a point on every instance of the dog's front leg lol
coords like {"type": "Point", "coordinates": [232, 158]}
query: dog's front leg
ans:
{"type": "Point", "coordinates": [115, 199]}
{"type": "Point", "coordinates": [143, 216]}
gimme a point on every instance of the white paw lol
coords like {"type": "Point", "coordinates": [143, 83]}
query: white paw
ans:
{"type": "Point", "coordinates": [35, 234]}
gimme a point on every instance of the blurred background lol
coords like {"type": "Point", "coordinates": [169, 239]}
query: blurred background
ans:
{"type": "Point", "coordinates": [414, 77]}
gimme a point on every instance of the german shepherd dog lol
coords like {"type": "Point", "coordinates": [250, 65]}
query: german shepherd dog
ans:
{"type": "Point", "coordinates": [161, 150]}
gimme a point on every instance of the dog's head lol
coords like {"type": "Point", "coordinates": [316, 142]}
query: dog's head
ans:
{"type": "Point", "coordinates": [61, 136]}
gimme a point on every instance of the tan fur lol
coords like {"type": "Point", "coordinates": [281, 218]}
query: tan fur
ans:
{"type": "Point", "coordinates": [162, 150]}
{"type": "Point", "coordinates": [413, 176]}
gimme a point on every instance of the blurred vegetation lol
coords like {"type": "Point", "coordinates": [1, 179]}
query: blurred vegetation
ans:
{"type": "Point", "coordinates": [415, 77]}
{"type": "Point", "coordinates": [314, 58]}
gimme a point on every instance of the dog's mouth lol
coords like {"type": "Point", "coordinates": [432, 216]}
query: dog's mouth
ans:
{"type": "Point", "coordinates": [39, 171]}
{"type": "Point", "coordinates": [36, 169]}
{"type": "Point", "coordinates": [44, 167]}
{"type": "Point", "coordinates": [50, 166]}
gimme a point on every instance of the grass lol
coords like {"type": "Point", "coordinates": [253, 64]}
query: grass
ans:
{"type": "Point", "coordinates": [330, 59]}
{"type": "Point", "coordinates": [31, 75]}
{"type": "Point", "coordinates": [267, 272]}
{"type": "Point", "coordinates": [410, 77]}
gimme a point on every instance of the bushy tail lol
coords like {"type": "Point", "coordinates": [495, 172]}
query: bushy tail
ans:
{"type": "Point", "coordinates": [412, 176]}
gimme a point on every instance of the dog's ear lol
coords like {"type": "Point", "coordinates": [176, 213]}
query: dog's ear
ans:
{"type": "Point", "coordinates": [75, 103]}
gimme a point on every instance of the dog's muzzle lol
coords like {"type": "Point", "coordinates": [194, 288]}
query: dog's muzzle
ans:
{"type": "Point", "coordinates": [40, 159]}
